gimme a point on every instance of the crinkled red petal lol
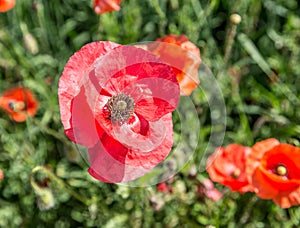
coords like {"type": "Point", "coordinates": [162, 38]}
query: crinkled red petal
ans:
{"type": "Point", "coordinates": [224, 162]}
{"type": "Point", "coordinates": [103, 6]}
{"type": "Point", "coordinates": [111, 161]}
{"type": "Point", "coordinates": [74, 76]}
{"type": "Point", "coordinates": [141, 75]}
{"type": "Point", "coordinates": [183, 56]}
{"type": "Point", "coordinates": [286, 155]}
{"type": "Point", "coordinates": [257, 152]}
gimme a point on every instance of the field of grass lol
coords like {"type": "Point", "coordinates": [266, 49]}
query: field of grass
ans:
{"type": "Point", "coordinates": [255, 76]}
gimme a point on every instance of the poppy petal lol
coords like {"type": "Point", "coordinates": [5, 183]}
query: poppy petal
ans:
{"type": "Point", "coordinates": [110, 161]}
{"type": "Point", "coordinates": [288, 199]}
{"type": "Point", "coordinates": [227, 167]}
{"type": "Point", "coordinates": [265, 190]}
{"type": "Point", "coordinates": [182, 55]}
{"type": "Point", "coordinates": [84, 130]}
{"type": "Point", "coordinates": [103, 6]}
{"type": "Point", "coordinates": [257, 152]}
{"type": "Point", "coordinates": [75, 74]}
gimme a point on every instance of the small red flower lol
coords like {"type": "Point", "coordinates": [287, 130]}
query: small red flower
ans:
{"type": "Point", "coordinates": [183, 56]}
{"type": "Point", "coordinates": [117, 101]}
{"type": "Point", "coordinates": [227, 167]}
{"type": "Point", "coordinates": [273, 168]}
{"type": "Point", "coordinates": [104, 6]}
{"type": "Point", "coordinates": [164, 187]}
{"type": "Point", "coordinates": [19, 103]}
{"type": "Point", "coordinates": [6, 5]}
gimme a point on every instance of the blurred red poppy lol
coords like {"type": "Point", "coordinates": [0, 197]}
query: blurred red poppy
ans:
{"type": "Point", "coordinates": [117, 101]}
{"type": "Point", "coordinates": [1, 174]}
{"type": "Point", "coordinates": [6, 5]}
{"type": "Point", "coordinates": [227, 167]}
{"type": "Point", "coordinates": [164, 187]}
{"type": "Point", "coordinates": [183, 56]}
{"type": "Point", "coordinates": [273, 168]}
{"type": "Point", "coordinates": [104, 6]}
{"type": "Point", "coordinates": [19, 103]}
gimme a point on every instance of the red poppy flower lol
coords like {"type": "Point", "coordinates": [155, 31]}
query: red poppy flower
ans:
{"type": "Point", "coordinates": [183, 56]}
{"type": "Point", "coordinates": [1, 174]}
{"type": "Point", "coordinates": [117, 101]}
{"type": "Point", "coordinates": [6, 5]}
{"type": "Point", "coordinates": [104, 6]}
{"type": "Point", "coordinates": [273, 169]}
{"type": "Point", "coordinates": [227, 167]}
{"type": "Point", "coordinates": [19, 103]}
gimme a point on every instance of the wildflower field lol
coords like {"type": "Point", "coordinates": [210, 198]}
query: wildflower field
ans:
{"type": "Point", "coordinates": [149, 113]}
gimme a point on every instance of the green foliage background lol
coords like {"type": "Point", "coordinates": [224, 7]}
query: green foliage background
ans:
{"type": "Point", "coordinates": [259, 76]}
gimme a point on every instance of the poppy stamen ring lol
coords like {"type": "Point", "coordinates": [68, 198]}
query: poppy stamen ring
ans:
{"type": "Point", "coordinates": [120, 107]}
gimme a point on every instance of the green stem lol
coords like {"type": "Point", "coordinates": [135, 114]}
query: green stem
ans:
{"type": "Point", "coordinates": [161, 14]}
{"type": "Point", "coordinates": [245, 126]}
{"type": "Point", "coordinates": [50, 131]}
{"type": "Point", "coordinates": [87, 202]}
{"type": "Point", "coordinates": [245, 216]}
{"type": "Point", "coordinates": [158, 10]}
{"type": "Point", "coordinates": [229, 43]}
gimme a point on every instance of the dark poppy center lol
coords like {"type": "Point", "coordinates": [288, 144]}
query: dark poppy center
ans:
{"type": "Point", "coordinates": [120, 108]}
{"type": "Point", "coordinates": [281, 170]}
{"type": "Point", "coordinates": [16, 106]}
{"type": "Point", "coordinates": [236, 173]}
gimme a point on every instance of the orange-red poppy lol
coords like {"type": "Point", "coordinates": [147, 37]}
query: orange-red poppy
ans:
{"type": "Point", "coordinates": [227, 167]}
{"type": "Point", "coordinates": [104, 6]}
{"type": "Point", "coordinates": [183, 56]}
{"type": "Point", "coordinates": [6, 5]}
{"type": "Point", "coordinates": [19, 103]}
{"type": "Point", "coordinates": [273, 168]}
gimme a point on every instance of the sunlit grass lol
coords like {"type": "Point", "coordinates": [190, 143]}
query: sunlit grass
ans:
{"type": "Point", "coordinates": [259, 80]}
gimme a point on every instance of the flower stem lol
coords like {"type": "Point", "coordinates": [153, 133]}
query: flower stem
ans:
{"type": "Point", "coordinates": [51, 175]}
{"type": "Point", "coordinates": [235, 19]}
{"type": "Point", "coordinates": [50, 131]}
{"type": "Point", "coordinates": [245, 215]}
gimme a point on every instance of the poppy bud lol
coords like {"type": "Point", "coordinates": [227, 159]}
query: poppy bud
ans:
{"type": "Point", "coordinates": [45, 199]}
{"type": "Point", "coordinates": [235, 18]}
{"type": "Point", "coordinates": [156, 202]}
{"type": "Point", "coordinates": [30, 43]}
